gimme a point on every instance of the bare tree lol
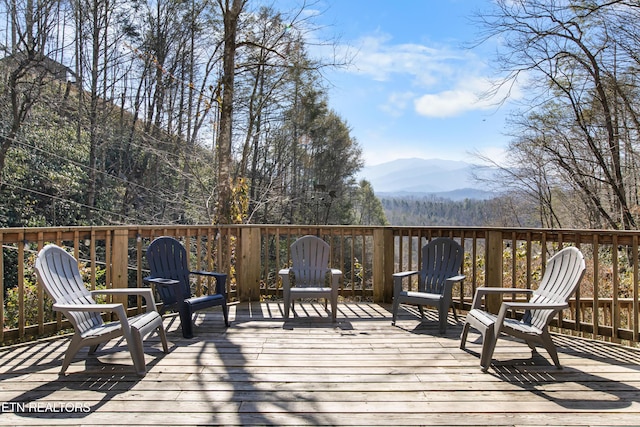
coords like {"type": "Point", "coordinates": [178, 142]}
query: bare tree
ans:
{"type": "Point", "coordinates": [231, 10]}
{"type": "Point", "coordinates": [569, 49]}
{"type": "Point", "coordinates": [28, 63]}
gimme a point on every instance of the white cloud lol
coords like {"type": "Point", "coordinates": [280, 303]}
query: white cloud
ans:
{"type": "Point", "coordinates": [397, 103]}
{"type": "Point", "coordinates": [445, 104]}
{"type": "Point", "coordinates": [381, 60]}
{"type": "Point", "coordinates": [453, 77]}
{"type": "Point", "coordinates": [471, 94]}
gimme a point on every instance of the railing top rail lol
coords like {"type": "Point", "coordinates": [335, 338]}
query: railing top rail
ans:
{"type": "Point", "coordinates": [33, 234]}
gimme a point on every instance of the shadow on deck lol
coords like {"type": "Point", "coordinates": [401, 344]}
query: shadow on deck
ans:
{"type": "Point", "coordinates": [306, 370]}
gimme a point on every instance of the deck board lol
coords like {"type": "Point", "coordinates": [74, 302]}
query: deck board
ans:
{"type": "Point", "coordinates": [307, 371]}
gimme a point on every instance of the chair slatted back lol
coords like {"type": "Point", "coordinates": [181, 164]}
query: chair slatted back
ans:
{"type": "Point", "coordinates": [310, 261]}
{"type": "Point", "coordinates": [167, 258]}
{"type": "Point", "coordinates": [441, 259]}
{"type": "Point", "coordinates": [560, 280]}
{"type": "Point", "coordinates": [58, 273]}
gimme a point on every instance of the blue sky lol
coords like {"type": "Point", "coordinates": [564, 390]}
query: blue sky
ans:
{"type": "Point", "coordinates": [412, 88]}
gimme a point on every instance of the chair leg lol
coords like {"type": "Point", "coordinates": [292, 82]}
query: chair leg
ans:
{"type": "Point", "coordinates": [463, 335]}
{"type": "Point", "coordinates": [443, 312]}
{"type": "Point", "coordinates": [548, 344]}
{"type": "Point", "coordinates": [488, 346]}
{"type": "Point", "coordinates": [394, 311]}
{"type": "Point", "coordinates": [334, 308]}
{"type": "Point", "coordinates": [137, 352]}
{"type": "Point", "coordinates": [163, 338]}
{"type": "Point", "coordinates": [185, 321]}
{"type": "Point", "coordinates": [287, 305]}
{"type": "Point", "coordinates": [455, 314]}
{"type": "Point", "coordinates": [421, 309]}
{"type": "Point", "coordinates": [225, 314]}
{"type": "Point", "coordinates": [71, 352]}
{"type": "Point", "coordinates": [489, 338]}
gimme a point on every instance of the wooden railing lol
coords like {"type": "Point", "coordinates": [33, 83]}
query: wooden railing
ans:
{"type": "Point", "coordinates": [605, 307]}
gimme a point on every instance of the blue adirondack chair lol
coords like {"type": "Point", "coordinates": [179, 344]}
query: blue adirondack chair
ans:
{"type": "Point", "coordinates": [441, 261]}
{"type": "Point", "coordinates": [170, 275]}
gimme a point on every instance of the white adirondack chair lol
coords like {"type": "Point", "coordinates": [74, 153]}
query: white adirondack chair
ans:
{"type": "Point", "coordinates": [310, 275]}
{"type": "Point", "coordinates": [560, 280]}
{"type": "Point", "coordinates": [441, 261]}
{"type": "Point", "coordinates": [58, 272]}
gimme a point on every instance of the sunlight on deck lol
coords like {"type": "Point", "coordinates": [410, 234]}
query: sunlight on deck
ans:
{"type": "Point", "coordinates": [306, 370]}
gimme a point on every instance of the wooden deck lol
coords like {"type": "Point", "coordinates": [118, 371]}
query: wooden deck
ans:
{"type": "Point", "coordinates": [308, 371]}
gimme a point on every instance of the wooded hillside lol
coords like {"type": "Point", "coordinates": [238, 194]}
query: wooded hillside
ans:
{"type": "Point", "coordinates": [119, 118]}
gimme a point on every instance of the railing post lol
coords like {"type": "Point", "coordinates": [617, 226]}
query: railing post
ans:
{"type": "Point", "coordinates": [383, 251]}
{"type": "Point", "coordinates": [249, 265]}
{"type": "Point", "coordinates": [120, 261]}
{"type": "Point", "coordinates": [493, 274]}
{"type": "Point", "coordinates": [120, 258]}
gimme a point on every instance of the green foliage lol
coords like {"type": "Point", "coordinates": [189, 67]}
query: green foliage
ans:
{"type": "Point", "coordinates": [29, 301]}
{"type": "Point", "coordinates": [368, 209]}
{"type": "Point", "coordinates": [145, 174]}
{"type": "Point", "coordinates": [31, 298]}
{"type": "Point", "coordinates": [31, 309]}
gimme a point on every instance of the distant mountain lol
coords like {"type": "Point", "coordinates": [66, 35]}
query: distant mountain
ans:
{"type": "Point", "coordinates": [417, 177]}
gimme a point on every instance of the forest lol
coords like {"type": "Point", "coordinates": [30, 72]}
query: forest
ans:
{"type": "Point", "coordinates": [126, 112]}
{"type": "Point", "coordinates": [431, 210]}
{"type": "Point", "coordinates": [216, 111]}
{"type": "Point", "coordinates": [573, 151]}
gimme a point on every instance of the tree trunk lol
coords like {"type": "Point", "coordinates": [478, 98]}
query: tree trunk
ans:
{"type": "Point", "coordinates": [230, 14]}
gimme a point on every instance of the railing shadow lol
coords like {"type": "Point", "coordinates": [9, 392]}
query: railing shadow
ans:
{"type": "Point", "coordinates": [259, 400]}
{"type": "Point", "coordinates": [233, 375]}
{"type": "Point", "coordinates": [99, 381]}
{"type": "Point", "coordinates": [598, 350]}
{"type": "Point", "coordinates": [570, 387]}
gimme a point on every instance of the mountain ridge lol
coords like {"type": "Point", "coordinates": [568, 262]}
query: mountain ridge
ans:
{"type": "Point", "coordinates": [417, 177]}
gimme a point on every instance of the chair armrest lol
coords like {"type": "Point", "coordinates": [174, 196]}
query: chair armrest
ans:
{"type": "Point", "coordinates": [397, 280]}
{"type": "Point", "coordinates": [455, 279]}
{"type": "Point", "coordinates": [284, 275]}
{"type": "Point", "coordinates": [221, 280]}
{"type": "Point", "coordinates": [335, 279]}
{"type": "Point", "coordinates": [174, 289]}
{"type": "Point", "coordinates": [447, 291]}
{"type": "Point", "coordinates": [405, 274]}
{"type": "Point", "coordinates": [489, 290]}
{"type": "Point", "coordinates": [117, 308]}
{"type": "Point", "coordinates": [482, 291]}
{"type": "Point", "coordinates": [86, 307]}
{"type": "Point", "coordinates": [160, 281]}
{"type": "Point", "coordinates": [146, 293]}
{"type": "Point", "coordinates": [535, 306]}
{"type": "Point", "coordinates": [508, 305]}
